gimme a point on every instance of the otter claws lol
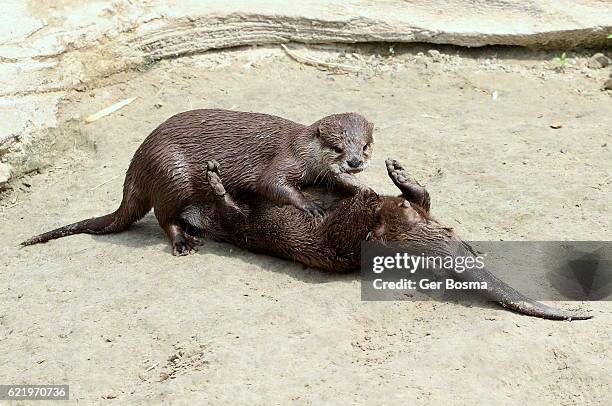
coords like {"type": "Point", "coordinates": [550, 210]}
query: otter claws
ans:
{"type": "Point", "coordinates": [184, 245]}
{"type": "Point", "coordinates": [212, 174]}
{"type": "Point", "coordinates": [314, 209]}
{"type": "Point", "coordinates": [212, 165]}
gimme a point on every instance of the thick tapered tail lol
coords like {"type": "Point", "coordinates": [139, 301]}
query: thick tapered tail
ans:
{"type": "Point", "coordinates": [97, 225]}
{"type": "Point", "coordinates": [512, 299]}
{"type": "Point", "coordinates": [502, 293]}
{"type": "Point", "coordinates": [133, 207]}
{"type": "Point", "coordinates": [497, 290]}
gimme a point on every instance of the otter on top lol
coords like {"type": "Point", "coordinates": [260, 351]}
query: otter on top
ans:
{"type": "Point", "coordinates": [261, 154]}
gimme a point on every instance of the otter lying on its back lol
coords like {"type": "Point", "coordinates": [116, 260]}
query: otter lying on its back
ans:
{"type": "Point", "coordinates": [334, 243]}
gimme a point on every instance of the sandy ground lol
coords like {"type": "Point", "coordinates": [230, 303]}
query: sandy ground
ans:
{"type": "Point", "coordinates": [123, 322]}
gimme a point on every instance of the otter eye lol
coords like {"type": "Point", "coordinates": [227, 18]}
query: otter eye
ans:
{"type": "Point", "coordinates": [366, 146]}
{"type": "Point", "coordinates": [337, 150]}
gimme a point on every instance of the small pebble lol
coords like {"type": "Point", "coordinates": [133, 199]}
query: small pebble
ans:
{"type": "Point", "coordinates": [598, 61]}
{"type": "Point", "coordinates": [435, 55]}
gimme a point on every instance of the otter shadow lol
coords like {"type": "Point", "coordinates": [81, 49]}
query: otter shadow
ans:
{"type": "Point", "coordinates": [146, 233]}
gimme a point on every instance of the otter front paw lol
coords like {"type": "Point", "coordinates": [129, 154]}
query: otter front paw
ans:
{"type": "Point", "coordinates": [314, 209]}
{"type": "Point", "coordinates": [365, 189]}
{"type": "Point", "coordinates": [367, 192]}
{"type": "Point", "coordinates": [349, 184]}
{"type": "Point", "coordinates": [410, 188]}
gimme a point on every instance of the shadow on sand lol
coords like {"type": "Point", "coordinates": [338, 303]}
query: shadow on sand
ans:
{"type": "Point", "coordinates": [147, 233]}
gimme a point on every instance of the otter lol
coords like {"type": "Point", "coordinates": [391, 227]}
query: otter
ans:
{"type": "Point", "coordinates": [260, 153]}
{"type": "Point", "coordinates": [334, 243]}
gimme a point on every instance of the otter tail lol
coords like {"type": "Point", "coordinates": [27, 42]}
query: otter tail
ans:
{"type": "Point", "coordinates": [502, 293]}
{"type": "Point", "coordinates": [132, 209]}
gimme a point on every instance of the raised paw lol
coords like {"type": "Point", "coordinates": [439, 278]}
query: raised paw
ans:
{"type": "Point", "coordinates": [410, 188]}
{"type": "Point", "coordinates": [399, 176]}
{"type": "Point", "coordinates": [212, 166]}
{"type": "Point", "coordinates": [393, 165]}
{"type": "Point", "coordinates": [215, 183]}
{"type": "Point", "coordinates": [212, 175]}
{"type": "Point", "coordinates": [397, 173]}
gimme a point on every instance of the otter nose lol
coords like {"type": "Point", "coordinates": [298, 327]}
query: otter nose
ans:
{"type": "Point", "coordinates": [354, 163]}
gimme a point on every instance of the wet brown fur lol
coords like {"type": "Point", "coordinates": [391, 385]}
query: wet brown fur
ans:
{"type": "Point", "coordinates": [261, 154]}
{"type": "Point", "coordinates": [333, 243]}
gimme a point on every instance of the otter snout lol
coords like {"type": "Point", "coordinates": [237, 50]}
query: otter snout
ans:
{"type": "Point", "coordinates": [354, 163]}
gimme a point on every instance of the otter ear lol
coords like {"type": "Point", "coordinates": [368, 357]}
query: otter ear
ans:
{"type": "Point", "coordinates": [323, 127]}
{"type": "Point", "coordinates": [319, 130]}
{"type": "Point", "coordinates": [379, 228]}
{"type": "Point", "coordinates": [370, 127]}
{"type": "Point", "coordinates": [377, 233]}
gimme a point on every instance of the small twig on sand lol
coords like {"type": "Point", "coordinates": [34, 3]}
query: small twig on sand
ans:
{"type": "Point", "coordinates": [152, 367]}
{"type": "Point", "coordinates": [308, 60]}
{"type": "Point", "coordinates": [109, 110]}
{"type": "Point", "coordinates": [105, 182]}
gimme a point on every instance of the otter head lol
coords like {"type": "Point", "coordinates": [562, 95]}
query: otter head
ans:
{"type": "Point", "coordinates": [398, 220]}
{"type": "Point", "coordinates": [345, 142]}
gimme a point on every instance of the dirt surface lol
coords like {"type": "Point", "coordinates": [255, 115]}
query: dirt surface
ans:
{"type": "Point", "coordinates": [123, 322]}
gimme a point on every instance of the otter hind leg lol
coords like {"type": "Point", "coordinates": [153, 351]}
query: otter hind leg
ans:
{"type": "Point", "coordinates": [212, 175]}
{"type": "Point", "coordinates": [182, 243]}
{"type": "Point", "coordinates": [220, 220]}
{"type": "Point", "coordinates": [228, 211]}
{"type": "Point", "coordinates": [410, 188]}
